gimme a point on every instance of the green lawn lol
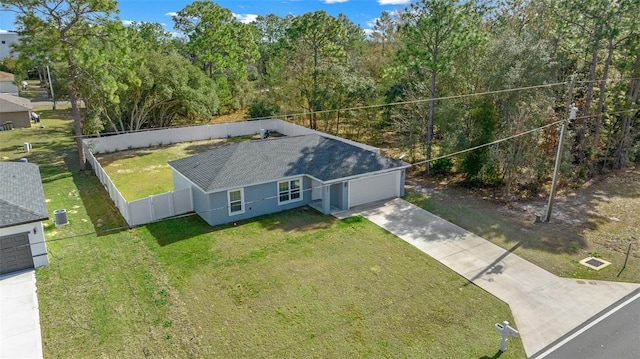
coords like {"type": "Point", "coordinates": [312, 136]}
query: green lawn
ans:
{"type": "Point", "coordinates": [130, 170]}
{"type": "Point", "coordinates": [293, 284]}
{"type": "Point", "coordinates": [611, 220]}
{"type": "Point", "coordinates": [301, 284]}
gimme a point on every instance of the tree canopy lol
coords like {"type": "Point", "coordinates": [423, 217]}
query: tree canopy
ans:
{"type": "Point", "coordinates": [437, 77]}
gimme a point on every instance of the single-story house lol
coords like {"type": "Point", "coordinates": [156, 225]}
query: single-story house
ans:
{"type": "Point", "coordinates": [7, 40]}
{"type": "Point", "coordinates": [16, 111]}
{"type": "Point", "coordinates": [22, 210]}
{"type": "Point", "coordinates": [249, 179]}
{"type": "Point", "coordinates": [8, 84]}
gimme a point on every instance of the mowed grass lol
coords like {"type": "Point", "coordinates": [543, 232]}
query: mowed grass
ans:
{"type": "Point", "coordinates": [138, 173]}
{"type": "Point", "coordinates": [610, 222]}
{"type": "Point", "coordinates": [303, 285]}
{"type": "Point", "coordinates": [293, 284]}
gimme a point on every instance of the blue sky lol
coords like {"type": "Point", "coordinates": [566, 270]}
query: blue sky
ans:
{"type": "Point", "coordinates": [362, 12]}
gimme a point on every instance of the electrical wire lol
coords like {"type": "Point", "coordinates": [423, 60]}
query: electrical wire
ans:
{"type": "Point", "coordinates": [226, 207]}
{"type": "Point", "coordinates": [354, 108]}
{"type": "Point", "coordinates": [512, 137]}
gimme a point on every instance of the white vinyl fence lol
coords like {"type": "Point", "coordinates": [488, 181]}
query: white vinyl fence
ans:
{"type": "Point", "coordinates": [174, 203]}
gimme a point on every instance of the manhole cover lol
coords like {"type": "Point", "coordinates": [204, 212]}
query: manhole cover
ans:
{"type": "Point", "coordinates": [594, 263]}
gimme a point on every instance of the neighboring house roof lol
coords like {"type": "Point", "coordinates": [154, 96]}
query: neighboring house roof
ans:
{"type": "Point", "coordinates": [10, 103]}
{"type": "Point", "coordinates": [247, 163]}
{"type": "Point", "coordinates": [7, 77]}
{"type": "Point", "coordinates": [21, 194]}
{"type": "Point", "coordinates": [9, 88]}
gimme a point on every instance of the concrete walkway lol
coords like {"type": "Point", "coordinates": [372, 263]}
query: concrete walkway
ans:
{"type": "Point", "coordinates": [544, 306]}
{"type": "Point", "coordinates": [19, 317]}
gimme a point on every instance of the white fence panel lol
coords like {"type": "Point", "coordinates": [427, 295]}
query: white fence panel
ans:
{"type": "Point", "coordinates": [114, 194]}
{"type": "Point", "coordinates": [182, 201]}
{"type": "Point", "coordinates": [217, 131]}
{"type": "Point", "coordinates": [236, 129]}
{"type": "Point", "coordinates": [162, 205]}
{"type": "Point", "coordinates": [140, 212]}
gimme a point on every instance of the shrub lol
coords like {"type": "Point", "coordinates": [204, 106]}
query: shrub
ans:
{"type": "Point", "coordinates": [263, 107]}
{"type": "Point", "coordinates": [442, 166]}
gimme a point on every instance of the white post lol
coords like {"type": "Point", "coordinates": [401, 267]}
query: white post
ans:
{"type": "Point", "coordinates": [505, 337]}
{"type": "Point", "coordinates": [51, 87]}
{"type": "Point", "coordinates": [506, 332]}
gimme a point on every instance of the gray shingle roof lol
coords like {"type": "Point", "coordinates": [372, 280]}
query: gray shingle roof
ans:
{"type": "Point", "coordinates": [21, 194]}
{"type": "Point", "coordinates": [246, 163]}
{"type": "Point", "coordinates": [10, 103]}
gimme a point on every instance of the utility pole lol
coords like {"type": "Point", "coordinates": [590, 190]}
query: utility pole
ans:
{"type": "Point", "coordinates": [570, 113]}
{"type": "Point", "coordinates": [51, 86]}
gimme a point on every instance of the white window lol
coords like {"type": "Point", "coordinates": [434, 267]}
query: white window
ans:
{"type": "Point", "coordinates": [236, 201]}
{"type": "Point", "coordinates": [289, 191]}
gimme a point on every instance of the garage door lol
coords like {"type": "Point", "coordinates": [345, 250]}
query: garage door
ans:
{"type": "Point", "coordinates": [15, 253]}
{"type": "Point", "coordinates": [374, 188]}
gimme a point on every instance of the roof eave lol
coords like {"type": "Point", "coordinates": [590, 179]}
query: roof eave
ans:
{"type": "Point", "coordinates": [25, 222]}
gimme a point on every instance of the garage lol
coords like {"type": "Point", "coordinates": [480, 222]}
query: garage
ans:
{"type": "Point", "coordinates": [15, 253]}
{"type": "Point", "coordinates": [374, 188]}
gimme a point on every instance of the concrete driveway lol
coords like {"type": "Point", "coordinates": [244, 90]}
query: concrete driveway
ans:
{"type": "Point", "coordinates": [19, 317]}
{"type": "Point", "coordinates": [544, 306]}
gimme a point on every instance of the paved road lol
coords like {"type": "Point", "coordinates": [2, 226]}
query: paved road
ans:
{"type": "Point", "coordinates": [613, 334]}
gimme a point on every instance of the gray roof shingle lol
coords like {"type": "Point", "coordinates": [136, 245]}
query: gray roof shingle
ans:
{"type": "Point", "coordinates": [247, 163]}
{"type": "Point", "coordinates": [21, 194]}
{"type": "Point", "coordinates": [10, 103]}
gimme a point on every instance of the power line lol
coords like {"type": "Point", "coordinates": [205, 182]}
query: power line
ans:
{"type": "Point", "coordinates": [512, 137]}
{"type": "Point", "coordinates": [226, 207]}
{"type": "Point", "coordinates": [354, 108]}
{"type": "Point", "coordinates": [397, 103]}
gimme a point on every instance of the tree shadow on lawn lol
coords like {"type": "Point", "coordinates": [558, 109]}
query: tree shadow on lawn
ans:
{"type": "Point", "coordinates": [106, 159]}
{"type": "Point", "coordinates": [575, 210]}
{"type": "Point", "coordinates": [170, 231]}
{"type": "Point", "coordinates": [487, 221]}
{"type": "Point", "coordinates": [193, 148]}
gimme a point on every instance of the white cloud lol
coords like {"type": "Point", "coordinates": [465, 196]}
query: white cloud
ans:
{"type": "Point", "coordinates": [394, 2]}
{"type": "Point", "coordinates": [246, 18]}
{"type": "Point", "coordinates": [173, 13]}
{"type": "Point", "coordinates": [127, 22]}
{"type": "Point", "coordinates": [372, 23]}
{"type": "Point", "coordinates": [334, 1]}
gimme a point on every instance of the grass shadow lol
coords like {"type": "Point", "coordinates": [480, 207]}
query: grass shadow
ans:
{"type": "Point", "coordinates": [170, 231]}
{"type": "Point", "coordinates": [107, 158]}
{"type": "Point", "coordinates": [497, 355]}
{"type": "Point", "coordinates": [486, 220]}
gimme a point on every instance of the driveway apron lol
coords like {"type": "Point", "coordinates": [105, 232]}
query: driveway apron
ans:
{"type": "Point", "coordinates": [19, 317]}
{"type": "Point", "coordinates": [544, 306]}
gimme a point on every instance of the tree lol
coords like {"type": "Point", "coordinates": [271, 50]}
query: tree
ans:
{"type": "Point", "coordinates": [62, 30]}
{"type": "Point", "coordinates": [434, 32]}
{"type": "Point", "coordinates": [222, 45]}
{"type": "Point", "coordinates": [272, 31]}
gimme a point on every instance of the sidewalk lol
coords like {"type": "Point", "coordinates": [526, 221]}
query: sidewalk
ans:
{"type": "Point", "coordinates": [544, 306]}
